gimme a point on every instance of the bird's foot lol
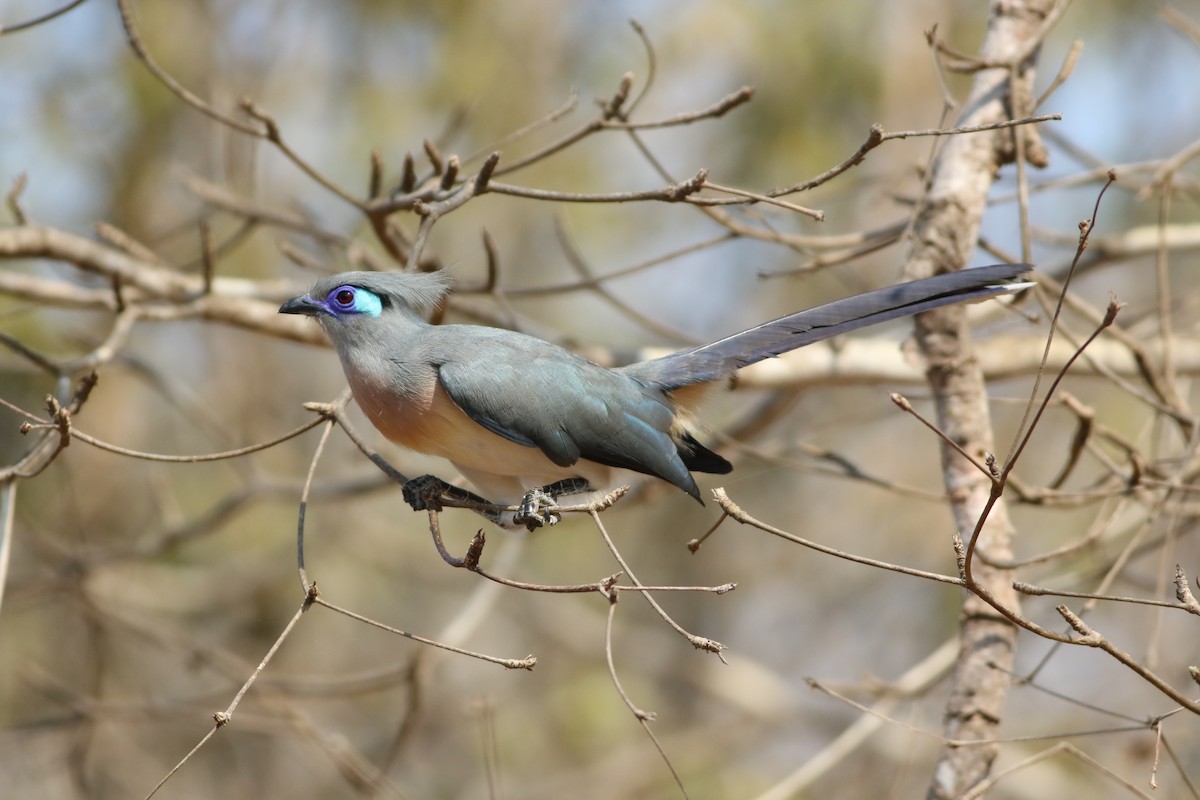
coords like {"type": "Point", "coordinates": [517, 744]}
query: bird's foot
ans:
{"type": "Point", "coordinates": [425, 493]}
{"type": "Point", "coordinates": [538, 506]}
{"type": "Point", "coordinates": [536, 510]}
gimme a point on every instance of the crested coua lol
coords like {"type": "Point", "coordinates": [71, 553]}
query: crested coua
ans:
{"type": "Point", "coordinates": [514, 413]}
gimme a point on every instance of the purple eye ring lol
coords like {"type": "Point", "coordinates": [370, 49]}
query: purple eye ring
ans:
{"type": "Point", "coordinates": [349, 299]}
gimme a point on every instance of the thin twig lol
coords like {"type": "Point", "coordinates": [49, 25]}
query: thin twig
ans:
{"type": "Point", "coordinates": [735, 511]}
{"type": "Point", "coordinates": [527, 663]}
{"type": "Point", "coordinates": [32, 23]}
{"type": "Point", "coordinates": [699, 642]}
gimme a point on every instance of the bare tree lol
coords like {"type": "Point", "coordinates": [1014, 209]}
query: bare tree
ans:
{"type": "Point", "coordinates": [157, 470]}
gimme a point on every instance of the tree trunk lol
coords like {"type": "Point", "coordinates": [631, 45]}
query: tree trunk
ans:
{"type": "Point", "coordinates": [944, 237]}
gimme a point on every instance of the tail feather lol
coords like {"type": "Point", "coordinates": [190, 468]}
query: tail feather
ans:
{"type": "Point", "coordinates": [714, 361]}
{"type": "Point", "coordinates": [698, 458]}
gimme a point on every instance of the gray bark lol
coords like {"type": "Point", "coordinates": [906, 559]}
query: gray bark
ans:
{"type": "Point", "coordinates": [945, 234]}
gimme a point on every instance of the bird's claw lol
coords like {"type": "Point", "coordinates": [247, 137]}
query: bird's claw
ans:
{"type": "Point", "coordinates": [538, 507]}
{"type": "Point", "coordinates": [424, 493]}
{"type": "Point", "coordinates": [536, 510]}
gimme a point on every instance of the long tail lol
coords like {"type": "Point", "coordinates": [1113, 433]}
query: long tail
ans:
{"type": "Point", "coordinates": [711, 362]}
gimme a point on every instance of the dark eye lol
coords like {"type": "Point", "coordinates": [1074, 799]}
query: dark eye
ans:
{"type": "Point", "coordinates": [349, 300]}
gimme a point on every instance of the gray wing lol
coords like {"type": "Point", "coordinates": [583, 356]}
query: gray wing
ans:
{"type": "Point", "coordinates": [536, 394]}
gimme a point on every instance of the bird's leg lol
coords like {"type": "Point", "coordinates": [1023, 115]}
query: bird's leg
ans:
{"type": "Point", "coordinates": [427, 493]}
{"type": "Point", "coordinates": [567, 487]}
{"type": "Point", "coordinates": [536, 507]}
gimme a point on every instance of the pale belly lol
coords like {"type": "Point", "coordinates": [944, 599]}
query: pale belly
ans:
{"type": "Point", "coordinates": [437, 426]}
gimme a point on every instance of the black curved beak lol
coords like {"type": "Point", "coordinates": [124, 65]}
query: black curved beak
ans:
{"type": "Point", "coordinates": [302, 304]}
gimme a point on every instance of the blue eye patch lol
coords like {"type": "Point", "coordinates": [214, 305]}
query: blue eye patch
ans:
{"type": "Point", "coordinates": [354, 300]}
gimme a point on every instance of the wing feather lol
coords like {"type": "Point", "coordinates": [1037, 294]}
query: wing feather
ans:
{"type": "Point", "coordinates": [539, 395]}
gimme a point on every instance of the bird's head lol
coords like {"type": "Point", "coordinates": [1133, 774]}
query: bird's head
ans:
{"type": "Point", "coordinates": [349, 300]}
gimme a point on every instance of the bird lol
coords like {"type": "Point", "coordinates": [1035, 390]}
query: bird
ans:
{"type": "Point", "coordinates": [526, 421]}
